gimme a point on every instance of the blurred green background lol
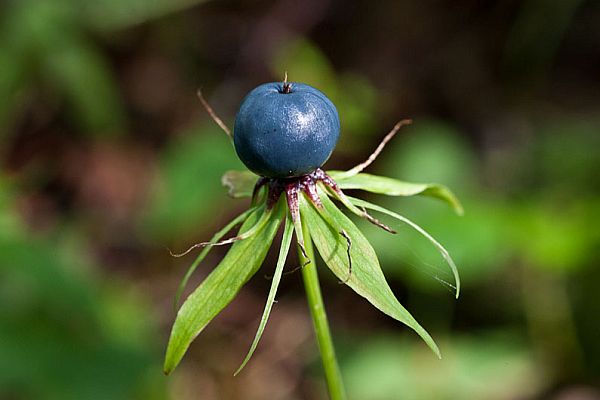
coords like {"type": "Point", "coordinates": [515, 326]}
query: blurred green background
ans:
{"type": "Point", "coordinates": [108, 159]}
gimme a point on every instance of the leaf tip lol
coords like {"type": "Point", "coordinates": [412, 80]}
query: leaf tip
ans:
{"type": "Point", "coordinates": [248, 356]}
{"type": "Point", "coordinates": [173, 355]}
{"type": "Point", "coordinates": [436, 350]}
{"type": "Point", "coordinates": [240, 368]}
{"type": "Point", "coordinates": [458, 208]}
{"type": "Point", "coordinates": [431, 344]}
{"type": "Point", "coordinates": [454, 202]}
{"type": "Point", "coordinates": [456, 277]}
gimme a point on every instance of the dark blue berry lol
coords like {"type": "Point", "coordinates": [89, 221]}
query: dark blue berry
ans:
{"type": "Point", "coordinates": [285, 130]}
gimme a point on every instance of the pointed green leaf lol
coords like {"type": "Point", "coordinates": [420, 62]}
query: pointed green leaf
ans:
{"type": "Point", "coordinates": [221, 286]}
{"type": "Point", "coordinates": [423, 232]}
{"type": "Point", "coordinates": [82, 73]}
{"type": "Point", "coordinates": [394, 187]}
{"type": "Point", "coordinates": [110, 15]}
{"type": "Point", "coordinates": [239, 183]}
{"type": "Point", "coordinates": [283, 252]}
{"type": "Point", "coordinates": [367, 278]}
{"type": "Point", "coordinates": [217, 236]}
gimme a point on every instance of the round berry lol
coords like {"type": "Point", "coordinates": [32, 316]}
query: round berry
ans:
{"type": "Point", "coordinates": [285, 130]}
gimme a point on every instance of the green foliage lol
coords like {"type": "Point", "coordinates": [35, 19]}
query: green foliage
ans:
{"type": "Point", "coordinates": [79, 73]}
{"type": "Point", "coordinates": [544, 231]}
{"type": "Point", "coordinates": [474, 367]}
{"type": "Point", "coordinates": [45, 39]}
{"type": "Point", "coordinates": [108, 15]}
{"type": "Point", "coordinates": [434, 152]}
{"type": "Point", "coordinates": [222, 285]}
{"type": "Point", "coordinates": [439, 247]}
{"type": "Point", "coordinates": [341, 245]}
{"type": "Point", "coordinates": [527, 176]}
{"type": "Point", "coordinates": [285, 247]}
{"type": "Point", "coordinates": [240, 184]}
{"type": "Point", "coordinates": [65, 332]}
{"type": "Point", "coordinates": [47, 43]}
{"type": "Point", "coordinates": [394, 187]}
{"type": "Point", "coordinates": [562, 157]}
{"type": "Point", "coordinates": [216, 238]}
{"type": "Point", "coordinates": [366, 278]}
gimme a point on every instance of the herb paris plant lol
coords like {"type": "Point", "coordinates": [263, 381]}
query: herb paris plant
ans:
{"type": "Point", "coordinates": [284, 132]}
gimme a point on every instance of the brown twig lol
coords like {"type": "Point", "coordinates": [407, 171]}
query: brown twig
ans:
{"type": "Point", "coordinates": [205, 244]}
{"type": "Point", "coordinates": [213, 115]}
{"type": "Point", "coordinates": [360, 167]}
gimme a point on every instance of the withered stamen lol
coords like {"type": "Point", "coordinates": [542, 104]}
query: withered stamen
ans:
{"type": "Point", "coordinates": [345, 235]}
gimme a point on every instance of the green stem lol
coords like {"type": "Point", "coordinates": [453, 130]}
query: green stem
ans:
{"type": "Point", "coordinates": [319, 317]}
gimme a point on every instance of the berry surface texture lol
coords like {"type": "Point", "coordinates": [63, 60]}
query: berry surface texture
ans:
{"type": "Point", "coordinates": [285, 130]}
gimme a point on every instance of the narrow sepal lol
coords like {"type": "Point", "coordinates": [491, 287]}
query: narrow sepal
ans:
{"type": "Point", "coordinates": [283, 252]}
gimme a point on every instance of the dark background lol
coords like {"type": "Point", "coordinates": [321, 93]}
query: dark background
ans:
{"type": "Point", "coordinates": [108, 159]}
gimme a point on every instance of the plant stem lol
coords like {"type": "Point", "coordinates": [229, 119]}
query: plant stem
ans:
{"type": "Point", "coordinates": [319, 317]}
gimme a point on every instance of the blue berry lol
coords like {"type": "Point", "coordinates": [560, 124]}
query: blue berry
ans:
{"type": "Point", "coordinates": [285, 130]}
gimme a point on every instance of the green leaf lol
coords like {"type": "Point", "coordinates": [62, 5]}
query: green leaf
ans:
{"type": "Point", "coordinates": [441, 249]}
{"type": "Point", "coordinates": [106, 15]}
{"type": "Point", "coordinates": [239, 183]}
{"type": "Point", "coordinates": [283, 252]}
{"type": "Point", "coordinates": [217, 236]}
{"type": "Point", "coordinates": [394, 187]}
{"type": "Point", "coordinates": [221, 286]}
{"type": "Point", "coordinates": [62, 309]}
{"type": "Point", "coordinates": [79, 70]}
{"type": "Point", "coordinates": [474, 367]}
{"type": "Point", "coordinates": [366, 278]}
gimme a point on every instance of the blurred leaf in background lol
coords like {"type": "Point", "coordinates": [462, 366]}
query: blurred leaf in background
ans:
{"type": "Point", "coordinates": [492, 366]}
{"type": "Point", "coordinates": [47, 50]}
{"type": "Point", "coordinates": [65, 332]}
{"type": "Point", "coordinates": [188, 191]}
{"type": "Point", "coordinates": [528, 246]}
{"type": "Point", "coordinates": [107, 15]}
{"type": "Point", "coordinates": [548, 230]}
{"type": "Point", "coordinates": [47, 42]}
{"type": "Point", "coordinates": [431, 151]}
